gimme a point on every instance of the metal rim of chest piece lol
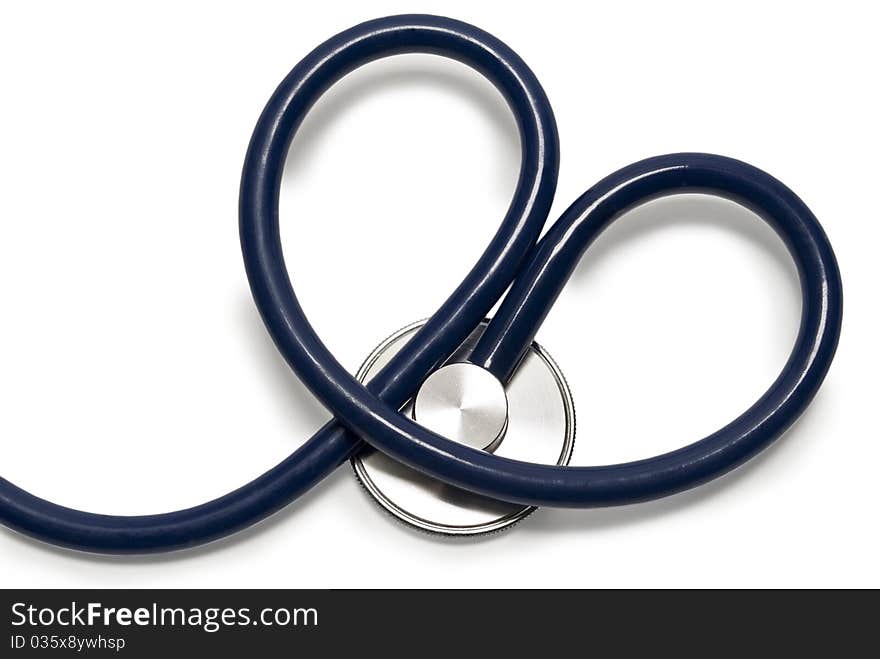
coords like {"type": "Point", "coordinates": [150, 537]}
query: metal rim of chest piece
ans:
{"type": "Point", "coordinates": [539, 426]}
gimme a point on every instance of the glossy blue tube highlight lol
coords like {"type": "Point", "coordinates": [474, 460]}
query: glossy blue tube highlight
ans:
{"type": "Point", "coordinates": [528, 302]}
{"type": "Point", "coordinates": [468, 305]}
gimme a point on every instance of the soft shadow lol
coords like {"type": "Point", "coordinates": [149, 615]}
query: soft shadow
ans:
{"type": "Point", "coordinates": [552, 522]}
{"type": "Point", "coordinates": [293, 397]}
{"type": "Point", "coordinates": [692, 210]}
{"type": "Point", "coordinates": [643, 222]}
{"type": "Point", "coordinates": [405, 72]}
{"type": "Point", "coordinates": [397, 524]}
{"type": "Point", "coordinates": [330, 484]}
{"type": "Point", "coordinates": [555, 521]}
{"type": "Point", "coordinates": [675, 212]}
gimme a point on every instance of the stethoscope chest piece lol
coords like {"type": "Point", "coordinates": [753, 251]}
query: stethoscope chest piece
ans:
{"type": "Point", "coordinates": [531, 419]}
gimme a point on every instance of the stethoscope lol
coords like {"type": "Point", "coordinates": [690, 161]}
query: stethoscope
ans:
{"type": "Point", "coordinates": [534, 270]}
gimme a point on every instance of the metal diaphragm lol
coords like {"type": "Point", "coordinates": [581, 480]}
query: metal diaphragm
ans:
{"type": "Point", "coordinates": [539, 427]}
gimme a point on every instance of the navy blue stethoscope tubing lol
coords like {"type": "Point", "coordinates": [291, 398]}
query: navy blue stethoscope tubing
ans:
{"type": "Point", "coordinates": [532, 295]}
{"type": "Point", "coordinates": [333, 444]}
{"type": "Point", "coordinates": [371, 412]}
{"type": "Point", "coordinates": [510, 332]}
{"type": "Point", "coordinates": [524, 307]}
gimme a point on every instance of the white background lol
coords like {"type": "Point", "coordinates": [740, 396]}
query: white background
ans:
{"type": "Point", "coordinates": [136, 377]}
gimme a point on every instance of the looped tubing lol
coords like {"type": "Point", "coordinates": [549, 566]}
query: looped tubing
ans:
{"type": "Point", "coordinates": [536, 274]}
{"type": "Point", "coordinates": [332, 445]}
